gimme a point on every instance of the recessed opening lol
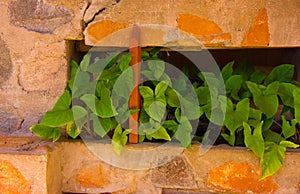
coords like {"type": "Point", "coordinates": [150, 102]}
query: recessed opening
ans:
{"type": "Point", "coordinates": [264, 59]}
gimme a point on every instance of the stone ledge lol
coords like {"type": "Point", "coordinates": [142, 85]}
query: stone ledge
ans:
{"type": "Point", "coordinates": [69, 166]}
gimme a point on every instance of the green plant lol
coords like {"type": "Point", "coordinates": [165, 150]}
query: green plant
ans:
{"type": "Point", "coordinates": [252, 110]}
{"type": "Point", "coordinates": [96, 102]}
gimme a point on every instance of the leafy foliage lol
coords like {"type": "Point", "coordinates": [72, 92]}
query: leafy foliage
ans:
{"type": "Point", "coordinates": [97, 95]}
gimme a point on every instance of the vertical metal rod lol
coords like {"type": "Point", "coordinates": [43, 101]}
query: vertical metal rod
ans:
{"type": "Point", "coordinates": [135, 98]}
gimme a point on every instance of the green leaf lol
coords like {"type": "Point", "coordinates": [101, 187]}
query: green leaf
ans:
{"type": "Point", "coordinates": [146, 92]}
{"type": "Point", "coordinates": [257, 77]}
{"type": "Point", "coordinates": [125, 62]}
{"type": "Point", "coordinates": [90, 101]}
{"type": "Point", "coordinates": [105, 109]}
{"type": "Point", "coordinates": [266, 100]}
{"type": "Point", "coordinates": [183, 133]}
{"type": "Point", "coordinates": [160, 89]}
{"type": "Point", "coordinates": [272, 159]}
{"type": "Point", "coordinates": [72, 130]}
{"type": "Point", "coordinates": [124, 84]}
{"type": "Point", "coordinates": [161, 133]}
{"type": "Point", "coordinates": [154, 52]}
{"type": "Point", "coordinates": [189, 108]}
{"type": "Point", "coordinates": [254, 117]}
{"type": "Point", "coordinates": [157, 67]}
{"type": "Point", "coordinates": [272, 136]}
{"type": "Point", "coordinates": [227, 70]}
{"type": "Point", "coordinates": [285, 91]}
{"type": "Point", "coordinates": [281, 73]}
{"type": "Point", "coordinates": [78, 112]}
{"type": "Point", "coordinates": [73, 71]}
{"type": "Point", "coordinates": [64, 101]}
{"type": "Point", "coordinates": [119, 139]}
{"type": "Point", "coordinates": [101, 125]}
{"type": "Point", "coordinates": [288, 144]}
{"type": "Point", "coordinates": [157, 110]}
{"type": "Point", "coordinates": [296, 95]}
{"type": "Point", "coordinates": [171, 125]}
{"type": "Point", "coordinates": [288, 129]}
{"type": "Point", "coordinates": [172, 98]}
{"type": "Point", "coordinates": [84, 64]}
{"type": "Point", "coordinates": [46, 132]}
{"type": "Point", "coordinates": [233, 84]}
{"type": "Point", "coordinates": [236, 116]}
{"type": "Point", "coordinates": [203, 94]}
{"type": "Point", "coordinates": [229, 138]}
{"type": "Point", "coordinates": [104, 63]}
{"type": "Point", "coordinates": [57, 118]}
{"type": "Point", "coordinates": [254, 142]}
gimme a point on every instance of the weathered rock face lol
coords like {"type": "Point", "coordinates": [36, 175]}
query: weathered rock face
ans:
{"type": "Point", "coordinates": [11, 180]}
{"type": "Point", "coordinates": [5, 62]}
{"type": "Point", "coordinates": [10, 119]}
{"type": "Point", "coordinates": [38, 16]}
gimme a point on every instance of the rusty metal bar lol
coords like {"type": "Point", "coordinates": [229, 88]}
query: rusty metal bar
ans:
{"type": "Point", "coordinates": [135, 98]}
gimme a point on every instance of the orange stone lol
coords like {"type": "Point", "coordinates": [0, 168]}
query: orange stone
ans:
{"type": "Point", "coordinates": [98, 30]}
{"type": "Point", "coordinates": [258, 34]}
{"type": "Point", "coordinates": [11, 180]}
{"type": "Point", "coordinates": [207, 31]}
{"type": "Point", "coordinates": [238, 177]}
{"type": "Point", "coordinates": [92, 177]}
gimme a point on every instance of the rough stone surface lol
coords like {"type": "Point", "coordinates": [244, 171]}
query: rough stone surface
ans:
{"type": "Point", "coordinates": [92, 176]}
{"type": "Point", "coordinates": [175, 174]}
{"type": "Point", "coordinates": [207, 31]}
{"type": "Point", "coordinates": [234, 18]}
{"type": "Point", "coordinates": [11, 180]}
{"type": "Point", "coordinates": [238, 177]}
{"type": "Point", "coordinates": [38, 16]}
{"type": "Point", "coordinates": [258, 34]}
{"type": "Point", "coordinates": [10, 119]}
{"type": "Point", "coordinates": [26, 166]}
{"type": "Point", "coordinates": [5, 62]}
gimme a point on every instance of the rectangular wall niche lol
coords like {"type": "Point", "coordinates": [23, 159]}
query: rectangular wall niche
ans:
{"type": "Point", "coordinates": [262, 58]}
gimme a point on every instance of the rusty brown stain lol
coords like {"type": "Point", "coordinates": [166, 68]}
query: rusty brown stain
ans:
{"type": "Point", "coordinates": [11, 180]}
{"type": "Point", "coordinates": [258, 34]}
{"type": "Point", "coordinates": [239, 177]}
{"type": "Point", "coordinates": [92, 177]}
{"type": "Point", "coordinates": [98, 30]}
{"type": "Point", "coordinates": [205, 30]}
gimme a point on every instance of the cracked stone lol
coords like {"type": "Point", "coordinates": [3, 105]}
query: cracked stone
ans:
{"type": "Point", "coordinates": [38, 16]}
{"type": "Point", "coordinates": [5, 62]}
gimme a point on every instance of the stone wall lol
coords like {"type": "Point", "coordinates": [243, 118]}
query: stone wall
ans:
{"type": "Point", "coordinates": [35, 34]}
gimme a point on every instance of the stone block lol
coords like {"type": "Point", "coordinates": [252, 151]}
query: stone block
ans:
{"type": "Point", "coordinates": [29, 165]}
{"type": "Point", "coordinates": [233, 24]}
{"type": "Point", "coordinates": [38, 16]}
{"type": "Point", "coordinates": [5, 62]}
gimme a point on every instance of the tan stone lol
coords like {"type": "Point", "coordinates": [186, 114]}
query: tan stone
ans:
{"type": "Point", "coordinates": [258, 34]}
{"type": "Point", "coordinates": [11, 180]}
{"type": "Point", "coordinates": [30, 166]}
{"type": "Point", "coordinates": [175, 174]}
{"type": "Point", "coordinates": [99, 30]}
{"type": "Point", "coordinates": [233, 17]}
{"type": "Point", "coordinates": [207, 31]}
{"type": "Point", "coordinates": [238, 177]}
{"type": "Point", "coordinates": [92, 176]}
